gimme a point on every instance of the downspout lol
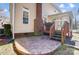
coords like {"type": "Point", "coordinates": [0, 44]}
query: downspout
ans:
{"type": "Point", "coordinates": [13, 18]}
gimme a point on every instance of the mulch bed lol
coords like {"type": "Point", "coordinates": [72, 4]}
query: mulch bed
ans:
{"type": "Point", "coordinates": [3, 40]}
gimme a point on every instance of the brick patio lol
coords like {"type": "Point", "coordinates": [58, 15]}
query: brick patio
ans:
{"type": "Point", "coordinates": [36, 45]}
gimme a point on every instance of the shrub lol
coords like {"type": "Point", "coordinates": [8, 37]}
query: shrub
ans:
{"type": "Point", "coordinates": [36, 33]}
{"type": "Point", "coordinates": [7, 30]}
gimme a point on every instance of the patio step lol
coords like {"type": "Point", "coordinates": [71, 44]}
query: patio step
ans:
{"type": "Point", "coordinates": [57, 36]}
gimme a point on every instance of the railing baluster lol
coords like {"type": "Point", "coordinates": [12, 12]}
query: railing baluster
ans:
{"type": "Point", "coordinates": [52, 30]}
{"type": "Point", "coordinates": [64, 31]}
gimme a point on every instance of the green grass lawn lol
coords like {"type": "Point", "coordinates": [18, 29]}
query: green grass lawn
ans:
{"type": "Point", "coordinates": [7, 49]}
{"type": "Point", "coordinates": [75, 36]}
{"type": "Point", "coordinates": [63, 50]}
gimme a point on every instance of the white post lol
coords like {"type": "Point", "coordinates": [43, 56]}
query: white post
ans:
{"type": "Point", "coordinates": [13, 15]}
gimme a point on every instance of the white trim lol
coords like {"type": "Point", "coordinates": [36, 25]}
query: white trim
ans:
{"type": "Point", "coordinates": [25, 9]}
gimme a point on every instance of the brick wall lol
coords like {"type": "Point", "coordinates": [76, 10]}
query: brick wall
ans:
{"type": "Point", "coordinates": [38, 22]}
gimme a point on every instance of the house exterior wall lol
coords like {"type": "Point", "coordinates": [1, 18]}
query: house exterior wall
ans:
{"type": "Point", "coordinates": [48, 9]}
{"type": "Point", "coordinates": [60, 16]}
{"type": "Point", "coordinates": [19, 26]}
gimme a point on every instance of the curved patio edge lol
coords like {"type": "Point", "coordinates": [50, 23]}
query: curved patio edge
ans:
{"type": "Point", "coordinates": [17, 51]}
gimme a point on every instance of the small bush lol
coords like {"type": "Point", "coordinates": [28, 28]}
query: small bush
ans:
{"type": "Point", "coordinates": [7, 30]}
{"type": "Point", "coordinates": [36, 33]}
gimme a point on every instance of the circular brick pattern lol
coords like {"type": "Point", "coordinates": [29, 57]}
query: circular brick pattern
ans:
{"type": "Point", "coordinates": [36, 45]}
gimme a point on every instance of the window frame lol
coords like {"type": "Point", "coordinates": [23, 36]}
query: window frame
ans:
{"type": "Point", "coordinates": [27, 10]}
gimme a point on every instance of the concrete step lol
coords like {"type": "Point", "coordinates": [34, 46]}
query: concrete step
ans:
{"type": "Point", "coordinates": [59, 36]}
{"type": "Point", "coordinates": [56, 38]}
